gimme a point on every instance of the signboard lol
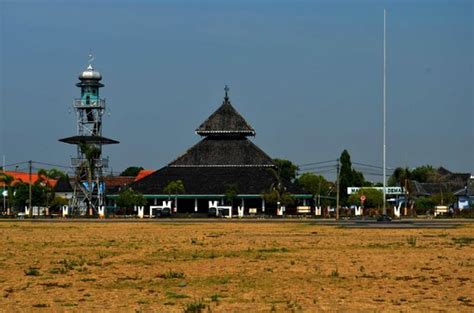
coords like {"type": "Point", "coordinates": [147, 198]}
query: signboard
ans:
{"type": "Point", "coordinates": [388, 190]}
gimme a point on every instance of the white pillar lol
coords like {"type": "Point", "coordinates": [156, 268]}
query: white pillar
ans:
{"type": "Point", "coordinates": [141, 211]}
{"type": "Point", "coordinates": [101, 211]}
{"type": "Point", "coordinates": [396, 211]}
{"type": "Point", "coordinates": [317, 210]}
{"type": "Point", "coordinates": [358, 210]}
{"type": "Point", "coordinates": [65, 210]}
{"type": "Point", "coordinates": [222, 201]}
{"type": "Point", "coordinates": [155, 201]}
{"type": "Point", "coordinates": [242, 203]}
{"type": "Point", "coordinates": [304, 202]}
{"type": "Point", "coordinates": [240, 211]}
{"type": "Point", "coordinates": [195, 205]}
{"type": "Point", "coordinates": [263, 205]}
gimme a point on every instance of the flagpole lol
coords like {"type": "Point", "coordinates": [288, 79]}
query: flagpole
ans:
{"type": "Point", "coordinates": [384, 108]}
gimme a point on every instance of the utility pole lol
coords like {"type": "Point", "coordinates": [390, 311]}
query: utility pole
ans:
{"type": "Point", "coordinates": [337, 191]}
{"type": "Point", "coordinates": [29, 191]}
{"type": "Point", "coordinates": [4, 186]}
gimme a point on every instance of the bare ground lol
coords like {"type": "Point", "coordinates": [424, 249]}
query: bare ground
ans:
{"type": "Point", "coordinates": [233, 267]}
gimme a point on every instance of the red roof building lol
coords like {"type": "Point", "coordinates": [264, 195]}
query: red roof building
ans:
{"type": "Point", "coordinates": [22, 177]}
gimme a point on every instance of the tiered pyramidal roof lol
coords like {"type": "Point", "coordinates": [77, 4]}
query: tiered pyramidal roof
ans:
{"type": "Point", "coordinates": [225, 142]}
{"type": "Point", "coordinates": [224, 156]}
{"type": "Point", "coordinates": [225, 121]}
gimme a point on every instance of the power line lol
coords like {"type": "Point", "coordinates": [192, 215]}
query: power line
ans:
{"type": "Point", "coordinates": [315, 163]}
{"type": "Point", "coordinates": [13, 164]}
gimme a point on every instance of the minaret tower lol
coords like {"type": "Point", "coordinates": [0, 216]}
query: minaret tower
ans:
{"type": "Point", "coordinates": [89, 163]}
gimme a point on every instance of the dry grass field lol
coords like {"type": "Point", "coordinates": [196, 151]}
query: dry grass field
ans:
{"type": "Point", "coordinates": [233, 267]}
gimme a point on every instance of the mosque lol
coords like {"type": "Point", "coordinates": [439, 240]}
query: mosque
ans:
{"type": "Point", "coordinates": [223, 160]}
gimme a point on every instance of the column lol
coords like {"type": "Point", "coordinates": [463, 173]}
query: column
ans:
{"type": "Point", "coordinates": [263, 205]}
{"type": "Point", "coordinates": [195, 205]}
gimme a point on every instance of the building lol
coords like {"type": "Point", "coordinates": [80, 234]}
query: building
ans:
{"type": "Point", "coordinates": [225, 158]}
{"type": "Point", "coordinates": [465, 196]}
{"type": "Point", "coordinates": [22, 177]}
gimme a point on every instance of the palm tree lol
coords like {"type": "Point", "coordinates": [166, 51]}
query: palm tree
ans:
{"type": "Point", "coordinates": [45, 176]}
{"type": "Point", "coordinates": [277, 193]}
{"type": "Point", "coordinates": [91, 154]}
{"type": "Point", "coordinates": [231, 191]}
{"type": "Point", "coordinates": [174, 187]}
{"type": "Point", "coordinates": [8, 181]}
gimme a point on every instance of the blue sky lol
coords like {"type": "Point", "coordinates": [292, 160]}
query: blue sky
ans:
{"type": "Point", "coordinates": [306, 74]}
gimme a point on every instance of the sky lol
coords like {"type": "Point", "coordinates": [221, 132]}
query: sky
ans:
{"type": "Point", "coordinates": [307, 75]}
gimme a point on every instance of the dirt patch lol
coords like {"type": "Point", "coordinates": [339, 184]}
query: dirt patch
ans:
{"type": "Point", "coordinates": [233, 267]}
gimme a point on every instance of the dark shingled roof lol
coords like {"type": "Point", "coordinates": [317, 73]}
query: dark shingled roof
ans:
{"type": "Point", "coordinates": [212, 180]}
{"type": "Point", "coordinates": [468, 190]}
{"type": "Point", "coordinates": [219, 151]}
{"type": "Point", "coordinates": [63, 185]}
{"type": "Point", "coordinates": [225, 120]}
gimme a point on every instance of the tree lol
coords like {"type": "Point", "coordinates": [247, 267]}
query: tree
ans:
{"type": "Point", "coordinates": [128, 198]}
{"type": "Point", "coordinates": [131, 171]}
{"type": "Point", "coordinates": [443, 198]}
{"type": "Point", "coordinates": [91, 154]}
{"type": "Point", "coordinates": [287, 170]}
{"type": "Point", "coordinates": [277, 193]}
{"type": "Point", "coordinates": [7, 180]}
{"type": "Point", "coordinates": [423, 174]}
{"type": "Point", "coordinates": [423, 204]}
{"type": "Point", "coordinates": [45, 176]}
{"type": "Point", "coordinates": [317, 185]}
{"type": "Point", "coordinates": [231, 191]}
{"type": "Point", "coordinates": [174, 187]}
{"type": "Point", "coordinates": [348, 177]}
{"type": "Point", "coordinates": [373, 198]}
{"type": "Point", "coordinates": [21, 197]}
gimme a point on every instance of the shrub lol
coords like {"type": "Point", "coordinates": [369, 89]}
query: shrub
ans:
{"type": "Point", "coordinates": [195, 307]}
{"type": "Point", "coordinates": [32, 271]}
{"type": "Point", "coordinates": [171, 275]}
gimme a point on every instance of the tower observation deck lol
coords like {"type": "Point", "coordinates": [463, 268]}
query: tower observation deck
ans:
{"type": "Point", "coordinates": [89, 163]}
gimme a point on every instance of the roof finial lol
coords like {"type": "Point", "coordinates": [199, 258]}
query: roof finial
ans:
{"type": "Point", "coordinates": [226, 97]}
{"type": "Point", "coordinates": [91, 59]}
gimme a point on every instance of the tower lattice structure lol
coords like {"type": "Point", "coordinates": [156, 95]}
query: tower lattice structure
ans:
{"type": "Point", "coordinates": [89, 163]}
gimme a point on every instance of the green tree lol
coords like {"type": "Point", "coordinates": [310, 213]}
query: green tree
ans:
{"type": "Point", "coordinates": [131, 171]}
{"type": "Point", "coordinates": [348, 177]}
{"type": "Point", "coordinates": [277, 193]}
{"type": "Point", "coordinates": [317, 185]}
{"type": "Point", "coordinates": [44, 179]}
{"type": "Point", "coordinates": [287, 170]}
{"type": "Point", "coordinates": [7, 180]}
{"type": "Point", "coordinates": [174, 187]}
{"type": "Point", "coordinates": [402, 177]}
{"type": "Point", "coordinates": [128, 198]}
{"type": "Point", "coordinates": [423, 174]}
{"type": "Point", "coordinates": [374, 198]}
{"type": "Point", "coordinates": [91, 154]}
{"type": "Point", "coordinates": [38, 195]}
{"type": "Point", "coordinates": [443, 198]}
{"type": "Point", "coordinates": [423, 204]}
{"type": "Point", "coordinates": [231, 191]}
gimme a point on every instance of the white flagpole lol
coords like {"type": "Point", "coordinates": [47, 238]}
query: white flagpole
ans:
{"type": "Point", "coordinates": [384, 107]}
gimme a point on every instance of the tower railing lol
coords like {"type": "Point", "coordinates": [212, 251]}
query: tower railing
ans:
{"type": "Point", "coordinates": [77, 162]}
{"type": "Point", "coordinates": [93, 104]}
